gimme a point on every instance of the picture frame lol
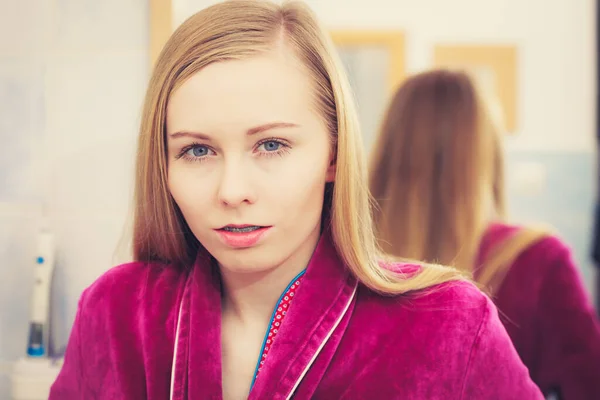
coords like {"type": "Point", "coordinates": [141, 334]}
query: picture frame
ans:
{"type": "Point", "coordinates": [161, 26]}
{"type": "Point", "coordinates": [494, 66]}
{"type": "Point", "coordinates": [375, 64]}
{"type": "Point", "coordinates": [391, 41]}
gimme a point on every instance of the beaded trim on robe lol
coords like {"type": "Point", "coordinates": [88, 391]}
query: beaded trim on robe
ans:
{"type": "Point", "coordinates": [277, 318]}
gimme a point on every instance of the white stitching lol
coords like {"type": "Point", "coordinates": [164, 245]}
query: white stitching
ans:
{"type": "Point", "coordinates": [289, 396]}
{"type": "Point", "coordinates": [175, 349]}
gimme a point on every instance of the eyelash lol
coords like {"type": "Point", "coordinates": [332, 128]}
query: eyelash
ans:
{"type": "Point", "coordinates": [279, 152]}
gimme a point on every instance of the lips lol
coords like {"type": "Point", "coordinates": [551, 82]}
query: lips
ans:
{"type": "Point", "coordinates": [242, 236]}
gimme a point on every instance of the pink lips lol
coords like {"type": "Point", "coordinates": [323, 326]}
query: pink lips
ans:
{"type": "Point", "coordinates": [241, 236]}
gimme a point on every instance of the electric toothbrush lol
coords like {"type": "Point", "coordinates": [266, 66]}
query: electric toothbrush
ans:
{"type": "Point", "coordinates": [37, 345]}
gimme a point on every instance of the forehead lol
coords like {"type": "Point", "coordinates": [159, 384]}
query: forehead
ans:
{"type": "Point", "coordinates": [270, 86]}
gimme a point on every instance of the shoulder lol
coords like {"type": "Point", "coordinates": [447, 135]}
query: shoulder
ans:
{"type": "Point", "coordinates": [127, 287]}
{"type": "Point", "coordinates": [454, 323]}
{"type": "Point", "coordinates": [546, 246]}
{"type": "Point", "coordinates": [453, 307]}
{"type": "Point", "coordinates": [127, 316]}
{"type": "Point", "coordinates": [462, 290]}
{"type": "Point", "coordinates": [537, 270]}
{"type": "Point", "coordinates": [134, 278]}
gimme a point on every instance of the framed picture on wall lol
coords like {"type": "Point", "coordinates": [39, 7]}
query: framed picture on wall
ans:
{"type": "Point", "coordinates": [375, 64]}
{"type": "Point", "coordinates": [161, 26]}
{"type": "Point", "coordinates": [493, 66]}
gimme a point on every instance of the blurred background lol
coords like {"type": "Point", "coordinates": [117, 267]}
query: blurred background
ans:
{"type": "Point", "coordinates": [72, 80]}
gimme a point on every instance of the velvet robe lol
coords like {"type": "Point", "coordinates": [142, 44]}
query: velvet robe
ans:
{"type": "Point", "coordinates": [149, 331]}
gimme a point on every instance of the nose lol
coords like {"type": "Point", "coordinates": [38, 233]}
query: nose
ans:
{"type": "Point", "coordinates": [235, 187]}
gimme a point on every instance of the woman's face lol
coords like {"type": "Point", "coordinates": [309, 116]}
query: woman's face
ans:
{"type": "Point", "coordinates": [248, 159]}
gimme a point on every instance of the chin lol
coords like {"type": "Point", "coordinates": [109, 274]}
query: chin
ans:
{"type": "Point", "coordinates": [245, 261]}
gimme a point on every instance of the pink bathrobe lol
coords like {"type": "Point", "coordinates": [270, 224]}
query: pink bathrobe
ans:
{"type": "Point", "coordinates": [549, 317]}
{"type": "Point", "coordinates": [339, 340]}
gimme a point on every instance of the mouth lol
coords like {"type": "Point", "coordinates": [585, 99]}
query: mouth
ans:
{"type": "Point", "coordinates": [241, 228]}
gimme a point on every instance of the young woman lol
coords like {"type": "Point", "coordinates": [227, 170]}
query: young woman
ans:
{"type": "Point", "coordinates": [257, 274]}
{"type": "Point", "coordinates": [437, 177]}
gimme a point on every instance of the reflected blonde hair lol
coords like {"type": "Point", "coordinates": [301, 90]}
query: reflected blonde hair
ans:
{"type": "Point", "coordinates": [239, 29]}
{"type": "Point", "coordinates": [437, 173]}
{"type": "Point", "coordinates": [498, 260]}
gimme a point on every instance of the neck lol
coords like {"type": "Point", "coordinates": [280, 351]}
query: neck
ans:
{"type": "Point", "coordinates": [250, 297]}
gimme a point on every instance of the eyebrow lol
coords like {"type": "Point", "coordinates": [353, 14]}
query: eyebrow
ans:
{"type": "Point", "coordinates": [249, 132]}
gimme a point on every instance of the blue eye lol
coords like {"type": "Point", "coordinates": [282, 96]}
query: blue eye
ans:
{"type": "Point", "coordinates": [271, 145]}
{"type": "Point", "coordinates": [198, 151]}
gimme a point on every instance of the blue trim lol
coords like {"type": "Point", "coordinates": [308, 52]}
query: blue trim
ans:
{"type": "Point", "coordinates": [262, 348]}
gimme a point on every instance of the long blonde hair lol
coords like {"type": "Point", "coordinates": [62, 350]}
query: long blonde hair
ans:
{"type": "Point", "coordinates": [437, 170]}
{"type": "Point", "coordinates": [234, 30]}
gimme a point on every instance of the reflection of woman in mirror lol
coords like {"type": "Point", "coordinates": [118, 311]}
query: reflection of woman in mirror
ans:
{"type": "Point", "coordinates": [437, 179]}
{"type": "Point", "coordinates": [257, 273]}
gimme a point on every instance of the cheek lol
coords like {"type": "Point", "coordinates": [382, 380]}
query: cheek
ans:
{"type": "Point", "coordinates": [191, 196]}
{"type": "Point", "coordinates": [301, 183]}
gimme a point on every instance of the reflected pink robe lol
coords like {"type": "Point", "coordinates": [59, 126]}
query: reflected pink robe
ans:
{"type": "Point", "coordinates": [549, 317]}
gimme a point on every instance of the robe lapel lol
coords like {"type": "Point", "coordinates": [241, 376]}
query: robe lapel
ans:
{"type": "Point", "coordinates": [320, 308]}
{"type": "Point", "coordinates": [180, 350]}
{"type": "Point", "coordinates": [318, 316]}
{"type": "Point", "coordinates": [204, 331]}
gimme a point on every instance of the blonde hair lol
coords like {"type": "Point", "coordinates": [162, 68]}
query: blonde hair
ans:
{"type": "Point", "coordinates": [438, 173]}
{"type": "Point", "coordinates": [239, 29]}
